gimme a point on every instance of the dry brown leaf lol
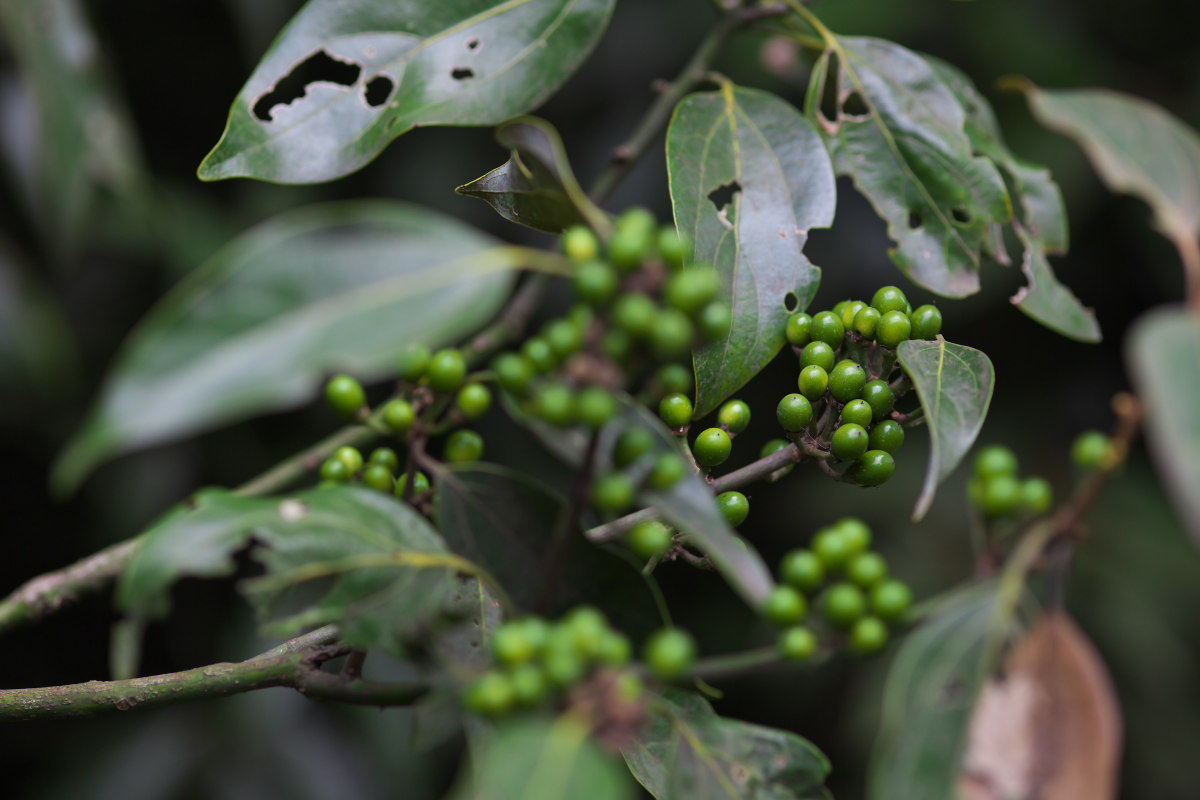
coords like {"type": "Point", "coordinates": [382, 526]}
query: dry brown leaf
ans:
{"type": "Point", "coordinates": [1050, 729]}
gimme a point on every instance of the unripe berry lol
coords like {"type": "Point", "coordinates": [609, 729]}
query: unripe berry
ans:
{"type": "Point", "coordinates": [514, 373]}
{"type": "Point", "coordinates": [674, 378]}
{"type": "Point", "coordinates": [473, 400]}
{"type": "Point", "coordinates": [446, 371]}
{"type": "Point", "coordinates": [734, 415]}
{"type": "Point", "coordinates": [413, 362]}
{"type": "Point", "coordinates": [846, 382]}
{"type": "Point", "coordinates": [1001, 496]}
{"type": "Point", "coordinates": [803, 569]}
{"type": "Point", "coordinates": [399, 415]}
{"type": "Point", "coordinates": [869, 635]}
{"type": "Point", "coordinates": [529, 684]}
{"type": "Point", "coordinates": [867, 570]}
{"type": "Point", "coordinates": [345, 395]}
{"type": "Point", "coordinates": [843, 604]}
{"type": "Point", "coordinates": [670, 653]}
{"type": "Point", "coordinates": [874, 467]}
{"type": "Point", "coordinates": [675, 410]}
{"type": "Point", "coordinates": [849, 442]}
{"type": "Point", "coordinates": [379, 477]}
{"type": "Point", "coordinates": [995, 460]}
{"type": "Point", "coordinates": [335, 471]}
{"type": "Point", "coordinates": [715, 321]}
{"type": "Point", "coordinates": [351, 457]}
{"type": "Point", "coordinates": [668, 470]}
{"type": "Point", "coordinates": [889, 298]}
{"type": "Point", "coordinates": [634, 238]}
{"type": "Point", "coordinates": [850, 312]}
{"type": "Point", "coordinates": [734, 507]}
{"type": "Point", "coordinates": [712, 447]}
{"type": "Point", "coordinates": [594, 406]}
{"type": "Point", "coordinates": [595, 283]}
{"type": "Point", "coordinates": [631, 445]}
{"type": "Point", "coordinates": [887, 435]}
{"type": "Point", "coordinates": [385, 456]}
{"type": "Point", "coordinates": [855, 533]}
{"type": "Point", "coordinates": [785, 605]}
{"type": "Point", "coordinates": [813, 382]}
{"type": "Point", "coordinates": [890, 599]}
{"type": "Point", "coordinates": [926, 322]}
{"type": "Point", "coordinates": [674, 248]}
{"type": "Point", "coordinates": [580, 244]}
{"type": "Point", "coordinates": [635, 313]}
{"type": "Point", "coordinates": [797, 643]}
{"type": "Point", "coordinates": [1036, 495]}
{"type": "Point", "coordinates": [832, 548]}
{"type": "Point", "coordinates": [564, 337]}
{"type": "Point", "coordinates": [420, 484]}
{"type": "Point", "coordinates": [464, 445]}
{"type": "Point", "coordinates": [797, 329]}
{"type": "Point", "coordinates": [492, 694]}
{"type": "Point", "coordinates": [650, 539]}
{"type": "Point", "coordinates": [692, 289]}
{"type": "Point", "coordinates": [827, 327]}
{"type": "Point", "coordinates": [555, 403]}
{"type": "Point", "coordinates": [540, 355]}
{"type": "Point", "coordinates": [866, 322]}
{"type": "Point", "coordinates": [794, 412]}
{"type": "Point", "coordinates": [671, 335]}
{"type": "Point", "coordinates": [1091, 450]}
{"type": "Point", "coordinates": [894, 328]}
{"type": "Point", "coordinates": [612, 492]}
{"type": "Point", "coordinates": [818, 353]}
{"type": "Point", "coordinates": [857, 411]}
{"type": "Point", "coordinates": [880, 396]}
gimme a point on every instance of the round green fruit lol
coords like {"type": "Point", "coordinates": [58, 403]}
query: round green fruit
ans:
{"type": "Point", "coordinates": [335, 471]}
{"type": "Point", "coordinates": [889, 298]}
{"type": "Point", "coordinates": [785, 605]}
{"type": "Point", "coordinates": [880, 396]}
{"type": "Point", "coordinates": [887, 436]}
{"type": "Point", "coordinates": [794, 412]}
{"type": "Point", "coordinates": [797, 643]}
{"type": "Point", "coordinates": [867, 570]}
{"type": "Point", "coordinates": [580, 244]}
{"type": "Point", "coordinates": [413, 362]}
{"type": "Point", "coordinates": [594, 406]}
{"type": "Point", "coordinates": [734, 507]}
{"type": "Point", "coordinates": [802, 569]}
{"type": "Point", "coordinates": [447, 370]}
{"type": "Point", "coordinates": [850, 312]}
{"type": "Point", "coordinates": [734, 415]}
{"type": "Point", "coordinates": [668, 470]}
{"type": "Point", "coordinates": [674, 248]}
{"type": "Point", "coordinates": [420, 484]}
{"type": "Point", "coordinates": [473, 400]}
{"type": "Point", "coordinates": [635, 313]}
{"type": "Point", "coordinates": [514, 373]}
{"type": "Point", "coordinates": [555, 403]}
{"type": "Point", "coordinates": [540, 355]}
{"type": "Point", "coordinates": [869, 635]}
{"type": "Point", "coordinates": [1091, 450]}
{"type": "Point", "coordinates": [890, 599]}
{"type": "Point", "coordinates": [650, 539]}
{"type": "Point", "coordinates": [399, 415]}
{"type": "Point", "coordinates": [994, 461]}
{"type": "Point", "coordinates": [832, 548]}
{"type": "Point", "coordinates": [866, 322]}
{"type": "Point", "coordinates": [379, 477]}
{"type": "Point", "coordinates": [827, 327]}
{"type": "Point", "coordinates": [492, 694]}
{"type": "Point", "coordinates": [670, 653]}
{"type": "Point", "coordinates": [1036, 495]}
{"type": "Point", "coordinates": [672, 334]}
{"type": "Point", "coordinates": [529, 684]}
{"type": "Point", "coordinates": [674, 378]}
{"type": "Point", "coordinates": [818, 353]}
{"type": "Point", "coordinates": [613, 492]}
{"type": "Point", "coordinates": [715, 321]}
{"type": "Point", "coordinates": [351, 457]}
{"type": "Point", "coordinates": [632, 444]}
{"type": "Point", "coordinates": [385, 456]}
{"type": "Point", "coordinates": [345, 395]}
{"type": "Point", "coordinates": [463, 446]}
{"type": "Point", "coordinates": [874, 467]}
{"type": "Point", "coordinates": [692, 289]}
{"type": "Point", "coordinates": [843, 604]}
{"type": "Point", "coordinates": [596, 283]}
{"type": "Point", "coordinates": [858, 412]}
{"type": "Point", "coordinates": [926, 322]}
{"type": "Point", "coordinates": [511, 644]}
{"type": "Point", "coordinates": [813, 382]}
{"type": "Point", "coordinates": [564, 337]}
{"type": "Point", "coordinates": [1001, 496]}
{"type": "Point", "coordinates": [846, 382]}
{"type": "Point", "coordinates": [712, 447]}
{"type": "Point", "coordinates": [894, 328]}
{"type": "Point", "coordinates": [797, 329]}
{"type": "Point", "coordinates": [675, 410]}
{"type": "Point", "coordinates": [855, 532]}
{"type": "Point", "coordinates": [849, 442]}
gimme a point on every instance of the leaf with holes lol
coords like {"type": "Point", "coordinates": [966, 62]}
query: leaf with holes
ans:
{"type": "Point", "coordinates": [931, 688]}
{"type": "Point", "coordinates": [686, 752]}
{"type": "Point", "coordinates": [1162, 352]}
{"type": "Point", "coordinates": [899, 135]}
{"type": "Point", "coordinates": [536, 186]}
{"type": "Point", "coordinates": [346, 77]}
{"type": "Point", "coordinates": [954, 384]}
{"type": "Point", "coordinates": [260, 324]}
{"type": "Point", "coordinates": [749, 179]}
{"type": "Point", "coordinates": [1042, 228]}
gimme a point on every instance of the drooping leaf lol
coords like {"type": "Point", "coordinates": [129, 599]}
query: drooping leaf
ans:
{"type": "Point", "coordinates": [954, 384]}
{"type": "Point", "coordinates": [342, 554]}
{"type": "Point", "coordinates": [749, 179]}
{"type": "Point", "coordinates": [536, 186]}
{"type": "Point", "coordinates": [544, 759]}
{"type": "Point", "coordinates": [1136, 147]}
{"type": "Point", "coordinates": [931, 688]}
{"type": "Point", "coordinates": [686, 752]}
{"type": "Point", "coordinates": [1162, 352]}
{"type": "Point", "coordinates": [1046, 300]}
{"type": "Point", "coordinates": [1050, 727]}
{"type": "Point", "coordinates": [899, 135]}
{"type": "Point", "coordinates": [259, 325]}
{"type": "Point", "coordinates": [346, 77]}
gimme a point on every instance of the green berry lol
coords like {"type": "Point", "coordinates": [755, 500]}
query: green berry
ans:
{"type": "Point", "coordinates": [351, 457]}
{"type": "Point", "coordinates": [857, 411]}
{"type": "Point", "coordinates": [345, 395]}
{"type": "Point", "coordinates": [595, 283]}
{"type": "Point", "coordinates": [492, 694]}
{"type": "Point", "coordinates": [794, 412]}
{"type": "Point", "coordinates": [674, 378]}
{"type": "Point", "coordinates": [446, 371]}
{"type": "Point", "coordinates": [464, 445]}
{"type": "Point", "coordinates": [850, 312]}
{"type": "Point", "coordinates": [813, 382]}
{"type": "Point", "coordinates": [539, 354]}
{"type": "Point", "coordinates": [734, 415]}
{"type": "Point", "coordinates": [846, 382]}
{"type": "Point", "coordinates": [889, 298]}
{"type": "Point", "coordinates": [840, 306]}
{"type": "Point", "coordinates": [880, 396]}
{"type": "Point", "coordinates": [564, 667]}
{"type": "Point", "coordinates": [634, 238]}
{"type": "Point", "coordinates": [594, 406]}
{"type": "Point", "coordinates": [894, 328]}
{"type": "Point", "coordinates": [887, 436]}
{"type": "Point", "coordinates": [529, 684]}
{"type": "Point", "coordinates": [785, 605]}
{"type": "Point", "coordinates": [874, 467]}
{"type": "Point", "coordinates": [616, 344]}
{"type": "Point", "coordinates": [564, 337]}
{"type": "Point", "coordinates": [797, 643]}
{"type": "Point", "coordinates": [715, 321]}
{"type": "Point", "coordinates": [774, 446]}
{"type": "Point", "coordinates": [995, 460]}
{"type": "Point", "coordinates": [926, 322]}
{"type": "Point", "coordinates": [674, 248]}
{"type": "Point", "coordinates": [832, 548]}
{"type": "Point", "coordinates": [675, 410]}
{"type": "Point", "coordinates": [587, 627]}
{"type": "Point", "coordinates": [797, 329]}
{"type": "Point", "coordinates": [555, 403]}
{"type": "Point", "coordinates": [691, 290]}
{"type": "Point", "coordinates": [827, 327]}
{"type": "Point", "coordinates": [631, 445]}
{"type": "Point", "coordinates": [511, 645]}
{"type": "Point", "coordinates": [613, 492]}
{"type": "Point", "coordinates": [399, 415]}
{"type": "Point", "coordinates": [869, 635]}
{"type": "Point", "coordinates": [1036, 495]}
{"type": "Point", "coordinates": [334, 470]}
{"type": "Point", "coordinates": [867, 570]}
{"type": "Point", "coordinates": [866, 322]}
{"type": "Point", "coordinates": [856, 534]}
{"type": "Point", "coordinates": [615, 649]}
{"type": "Point", "coordinates": [420, 484]}
{"type": "Point", "coordinates": [379, 477]}
{"type": "Point", "coordinates": [473, 400]}
{"type": "Point", "coordinates": [734, 507]}
{"type": "Point", "coordinates": [803, 569]}
{"type": "Point", "coordinates": [650, 539]}
{"type": "Point", "coordinates": [712, 447]}
{"type": "Point", "coordinates": [580, 244]}
{"type": "Point", "coordinates": [635, 314]}
{"type": "Point", "coordinates": [672, 334]}
{"type": "Point", "coordinates": [670, 653]}
{"type": "Point", "coordinates": [413, 363]}
{"type": "Point", "coordinates": [818, 353]}
{"type": "Point", "coordinates": [890, 599]}
{"type": "Point", "coordinates": [1001, 496]}
{"type": "Point", "coordinates": [849, 442]}
{"type": "Point", "coordinates": [1091, 450]}
{"type": "Point", "coordinates": [385, 456]}
{"type": "Point", "coordinates": [843, 604]}
{"type": "Point", "coordinates": [514, 373]}
{"type": "Point", "coordinates": [668, 470]}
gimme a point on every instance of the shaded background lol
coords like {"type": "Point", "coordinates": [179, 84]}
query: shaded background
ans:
{"type": "Point", "coordinates": [176, 68]}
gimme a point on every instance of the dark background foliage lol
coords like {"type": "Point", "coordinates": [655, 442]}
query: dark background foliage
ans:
{"type": "Point", "coordinates": [177, 67]}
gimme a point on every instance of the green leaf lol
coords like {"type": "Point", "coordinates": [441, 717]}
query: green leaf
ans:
{"type": "Point", "coordinates": [1135, 146]}
{"type": "Point", "coordinates": [1163, 355]}
{"type": "Point", "coordinates": [536, 186]}
{"type": "Point", "coordinates": [383, 68]}
{"type": "Point", "coordinates": [749, 179]}
{"type": "Point", "coordinates": [1046, 300]}
{"type": "Point", "coordinates": [899, 135]}
{"type": "Point", "coordinates": [954, 384]}
{"type": "Point", "coordinates": [256, 328]}
{"type": "Point", "coordinates": [686, 752]}
{"type": "Point", "coordinates": [543, 759]}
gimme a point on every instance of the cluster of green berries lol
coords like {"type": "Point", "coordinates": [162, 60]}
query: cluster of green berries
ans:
{"type": "Point", "coordinates": [846, 389]}
{"type": "Point", "coordinates": [535, 660]}
{"type": "Point", "coordinates": [847, 582]}
{"type": "Point", "coordinates": [997, 491]}
{"type": "Point", "coordinates": [380, 471]}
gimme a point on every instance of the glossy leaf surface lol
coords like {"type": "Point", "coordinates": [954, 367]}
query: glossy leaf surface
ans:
{"type": "Point", "coordinates": [686, 752]}
{"type": "Point", "coordinates": [954, 384]}
{"type": "Point", "coordinates": [749, 178]}
{"type": "Point", "coordinates": [383, 67]}
{"type": "Point", "coordinates": [256, 328]}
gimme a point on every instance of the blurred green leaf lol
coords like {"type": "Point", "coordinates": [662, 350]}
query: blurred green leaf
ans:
{"type": "Point", "coordinates": [536, 186]}
{"type": "Point", "coordinates": [346, 77]}
{"type": "Point", "coordinates": [899, 135]}
{"type": "Point", "coordinates": [257, 327]}
{"type": "Point", "coordinates": [1163, 355]}
{"type": "Point", "coordinates": [544, 759]}
{"type": "Point", "coordinates": [954, 384]}
{"type": "Point", "coordinates": [749, 179]}
{"type": "Point", "coordinates": [1046, 300]}
{"type": "Point", "coordinates": [686, 752]}
{"type": "Point", "coordinates": [930, 693]}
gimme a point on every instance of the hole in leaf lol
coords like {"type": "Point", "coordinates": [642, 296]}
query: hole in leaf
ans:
{"type": "Point", "coordinates": [829, 92]}
{"type": "Point", "coordinates": [855, 106]}
{"type": "Point", "coordinates": [377, 90]}
{"type": "Point", "coordinates": [319, 67]}
{"type": "Point", "coordinates": [914, 219]}
{"type": "Point", "coordinates": [723, 195]}
{"type": "Point", "coordinates": [462, 73]}
{"type": "Point", "coordinates": [791, 302]}
{"type": "Point", "coordinates": [961, 214]}
{"type": "Point", "coordinates": [473, 43]}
